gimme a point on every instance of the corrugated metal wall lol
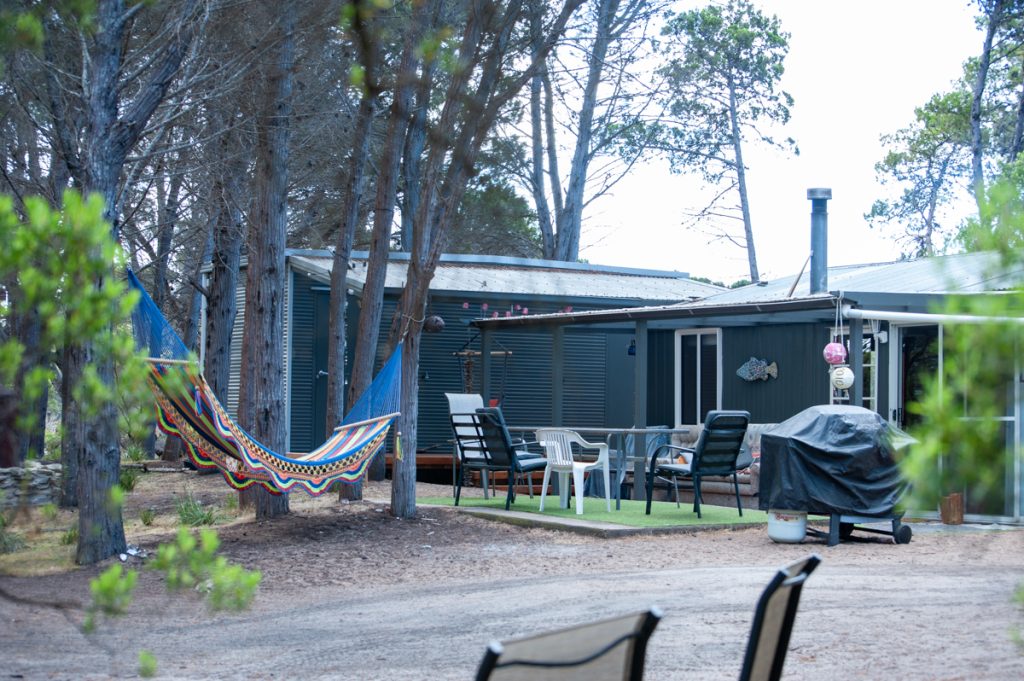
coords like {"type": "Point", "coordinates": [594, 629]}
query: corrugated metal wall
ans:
{"type": "Point", "coordinates": [236, 342]}
{"type": "Point", "coordinates": [303, 373]}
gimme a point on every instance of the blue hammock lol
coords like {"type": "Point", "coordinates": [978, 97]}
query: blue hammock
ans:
{"type": "Point", "coordinates": [188, 408]}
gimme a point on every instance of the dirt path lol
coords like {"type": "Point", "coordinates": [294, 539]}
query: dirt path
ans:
{"type": "Point", "coordinates": [351, 593]}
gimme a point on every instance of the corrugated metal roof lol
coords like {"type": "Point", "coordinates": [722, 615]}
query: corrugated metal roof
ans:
{"type": "Point", "coordinates": [496, 275]}
{"type": "Point", "coordinates": [962, 273]}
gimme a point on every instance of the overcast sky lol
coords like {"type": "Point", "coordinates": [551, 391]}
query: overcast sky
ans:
{"type": "Point", "coordinates": [856, 72]}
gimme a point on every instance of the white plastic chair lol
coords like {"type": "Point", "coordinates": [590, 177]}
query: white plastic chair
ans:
{"type": "Point", "coordinates": [557, 443]}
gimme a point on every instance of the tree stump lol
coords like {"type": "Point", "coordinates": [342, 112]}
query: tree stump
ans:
{"type": "Point", "coordinates": [951, 509]}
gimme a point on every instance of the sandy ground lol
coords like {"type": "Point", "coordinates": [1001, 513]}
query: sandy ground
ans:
{"type": "Point", "coordinates": [350, 592]}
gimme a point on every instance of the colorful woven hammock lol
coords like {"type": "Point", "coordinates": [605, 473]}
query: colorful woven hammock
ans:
{"type": "Point", "coordinates": [188, 408]}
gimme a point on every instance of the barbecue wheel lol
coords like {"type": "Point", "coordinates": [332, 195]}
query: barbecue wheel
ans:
{"type": "Point", "coordinates": [903, 534]}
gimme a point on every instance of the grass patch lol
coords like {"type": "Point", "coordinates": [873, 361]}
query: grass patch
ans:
{"type": "Point", "coordinates": [192, 512]}
{"type": "Point", "coordinates": [632, 513]}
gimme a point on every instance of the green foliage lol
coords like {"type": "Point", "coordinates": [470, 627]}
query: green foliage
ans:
{"type": "Point", "coordinates": [9, 541]}
{"type": "Point", "coordinates": [70, 536]}
{"type": "Point", "coordinates": [721, 60]}
{"type": "Point", "coordinates": [49, 511]}
{"type": "Point", "coordinates": [928, 164]}
{"type": "Point", "coordinates": [495, 220]}
{"type": "Point", "coordinates": [193, 513]}
{"type": "Point", "coordinates": [147, 516]}
{"type": "Point", "coordinates": [62, 265]}
{"type": "Point", "coordinates": [111, 594]}
{"type": "Point", "coordinates": [147, 664]}
{"type": "Point", "coordinates": [127, 479]}
{"type": "Point", "coordinates": [961, 439]}
{"type": "Point", "coordinates": [193, 563]}
{"type": "Point", "coordinates": [134, 452]}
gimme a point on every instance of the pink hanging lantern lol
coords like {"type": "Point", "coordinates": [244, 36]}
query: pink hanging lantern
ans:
{"type": "Point", "coordinates": [835, 353]}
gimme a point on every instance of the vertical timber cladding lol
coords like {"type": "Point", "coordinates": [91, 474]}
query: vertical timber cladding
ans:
{"type": "Point", "coordinates": [803, 374]}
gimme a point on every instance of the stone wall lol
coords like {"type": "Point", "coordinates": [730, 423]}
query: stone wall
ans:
{"type": "Point", "coordinates": [35, 485]}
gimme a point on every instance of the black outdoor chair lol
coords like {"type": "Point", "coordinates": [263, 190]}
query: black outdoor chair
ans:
{"type": "Point", "coordinates": [716, 453]}
{"type": "Point", "coordinates": [610, 649]}
{"type": "Point", "coordinates": [773, 622]}
{"type": "Point", "coordinates": [485, 445]}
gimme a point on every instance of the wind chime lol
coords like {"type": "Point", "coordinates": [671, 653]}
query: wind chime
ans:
{"type": "Point", "coordinates": [840, 375]}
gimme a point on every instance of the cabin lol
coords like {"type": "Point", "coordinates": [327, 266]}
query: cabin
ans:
{"type": "Point", "coordinates": [690, 356]}
{"type": "Point", "coordinates": [597, 366]}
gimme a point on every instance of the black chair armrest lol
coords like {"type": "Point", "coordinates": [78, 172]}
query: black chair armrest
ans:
{"type": "Point", "coordinates": [665, 448]}
{"type": "Point", "coordinates": [745, 459]}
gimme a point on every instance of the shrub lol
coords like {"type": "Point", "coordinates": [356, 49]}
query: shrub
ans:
{"type": "Point", "coordinates": [147, 515]}
{"type": "Point", "coordinates": [70, 537]}
{"type": "Point", "coordinates": [192, 512]}
{"type": "Point", "coordinates": [128, 478]}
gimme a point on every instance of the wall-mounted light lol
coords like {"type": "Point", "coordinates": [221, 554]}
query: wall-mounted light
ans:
{"type": "Point", "coordinates": [631, 351]}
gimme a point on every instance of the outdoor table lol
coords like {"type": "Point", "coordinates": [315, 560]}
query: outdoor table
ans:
{"type": "Point", "coordinates": [621, 457]}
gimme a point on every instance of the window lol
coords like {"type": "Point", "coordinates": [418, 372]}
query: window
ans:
{"type": "Point", "coordinates": [698, 374]}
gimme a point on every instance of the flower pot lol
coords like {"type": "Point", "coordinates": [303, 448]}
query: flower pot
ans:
{"type": "Point", "coordinates": [951, 509]}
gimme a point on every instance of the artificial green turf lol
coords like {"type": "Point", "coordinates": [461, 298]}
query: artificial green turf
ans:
{"type": "Point", "coordinates": [663, 514]}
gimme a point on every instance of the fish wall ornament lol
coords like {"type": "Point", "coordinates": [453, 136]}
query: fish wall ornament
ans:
{"type": "Point", "coordinates": [755, 369]}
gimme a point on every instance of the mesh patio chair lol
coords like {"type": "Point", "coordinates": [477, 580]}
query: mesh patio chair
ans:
{"type": "Point", "coordinates": [610, 649]}
{"type": "Point", "coordinates": [716, 453]}
{"type": "Point", "coordinates": [773, 622]}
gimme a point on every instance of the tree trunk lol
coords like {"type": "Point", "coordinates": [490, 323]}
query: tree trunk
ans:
{"type": "Point", "coordinates": [167, 203]}
{"type": "Point", "coordinates": [113, 128]}
{"type": "Point", "coordinates": [339, 273]}
{"type": "Point", "coordinates": [570, 219]}
{"type": "Point", "coordinates": [540, 202]}
{"type": "Point", "coordinates": [403, 482]}
{"type": "Point", "coordinates": [741, 185]}
{"type": "Point", "coordinates": [261, 408]}
{"type": "Point", "coordinates": [977, 170]}
{"type": "Point", "coordinates": [372, 302]}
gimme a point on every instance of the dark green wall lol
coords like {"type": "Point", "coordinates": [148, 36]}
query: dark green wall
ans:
{"type": "Point", "coordinates": [803, 374]}
{"type": "Point", "coordinates": [598, 370]}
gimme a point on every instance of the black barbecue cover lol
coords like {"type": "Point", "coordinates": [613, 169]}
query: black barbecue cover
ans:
{"type": "Point", "coordinates": [831, 459]}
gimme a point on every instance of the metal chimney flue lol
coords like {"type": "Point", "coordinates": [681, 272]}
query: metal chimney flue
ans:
{"type": "Point", "coordinates": [819, 198]}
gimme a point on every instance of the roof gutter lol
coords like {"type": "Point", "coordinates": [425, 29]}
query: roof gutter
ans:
{"type": "Point", "coordinates": [653, 313]}
{"type": "Point", "coordinates": [925, 317]}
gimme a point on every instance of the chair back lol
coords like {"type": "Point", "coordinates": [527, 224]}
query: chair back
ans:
{"type": "Point", "coordinates": [461, 407]}
{"type": "Point", "coordinates": [773, 622]}
{"type": "Point", "coordinates": [614, 648]}
{"type": "Point", "coordinates": [494, 438]}
{"type": "Point", "coordinates": [557, 443]}
{"type": "Point", "coordinates": [720, 442]}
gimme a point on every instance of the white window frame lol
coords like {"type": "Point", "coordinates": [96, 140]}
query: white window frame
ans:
{"type": "Point", "coordinates": [678, 347]}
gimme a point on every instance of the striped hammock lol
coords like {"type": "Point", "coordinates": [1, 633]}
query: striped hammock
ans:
{"type": "Point", "coordinates": [188, 408]}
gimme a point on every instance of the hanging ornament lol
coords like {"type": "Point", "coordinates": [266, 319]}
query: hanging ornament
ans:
{"type": "Point", "coordinates": [835, 353]}
{"type": "Point", "coordinates": [842, 377]}
{"type": "Point", "coordinates": [433, 324]}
